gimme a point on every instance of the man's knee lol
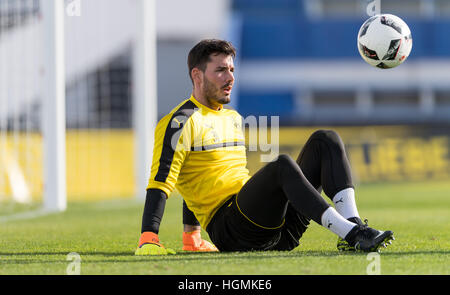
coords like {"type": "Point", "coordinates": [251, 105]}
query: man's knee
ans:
{"type": "Point", "coordinates": [329, 136]}
{"type": "Point", "coordinates": [285, 160]}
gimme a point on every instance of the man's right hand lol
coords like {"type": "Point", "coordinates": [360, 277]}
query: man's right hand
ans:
{"type": "Point", "coordinates": [149, 245]}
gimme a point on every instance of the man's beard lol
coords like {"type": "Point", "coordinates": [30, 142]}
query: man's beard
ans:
{"type": "Point", "coordinates": [213, 94]}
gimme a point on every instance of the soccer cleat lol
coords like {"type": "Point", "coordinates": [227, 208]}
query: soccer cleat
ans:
{"type": "Point", "coordinates": [192, 241]}
{"type": "Point", "coordinates": [149, 245]}
{"type": "Point", "coordinates": [365, 239]}
{"type": "Point", "coordinates": [342, 244]}
{"type": "Point", "coordinates": [153, 249]}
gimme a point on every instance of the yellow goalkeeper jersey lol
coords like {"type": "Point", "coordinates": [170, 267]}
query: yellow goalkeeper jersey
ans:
{"type": "Point", "coordinates": [201, 153]}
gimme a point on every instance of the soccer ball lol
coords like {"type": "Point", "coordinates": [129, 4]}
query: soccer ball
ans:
{"type": "Point", "coordinates": [384, 41]}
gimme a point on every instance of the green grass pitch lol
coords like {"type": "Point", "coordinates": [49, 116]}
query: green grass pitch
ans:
{"type": "Point", "coordinates": [105, 235]}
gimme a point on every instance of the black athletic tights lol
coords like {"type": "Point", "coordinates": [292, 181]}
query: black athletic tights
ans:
{"type": "Point", "coordinates": [322, 164]}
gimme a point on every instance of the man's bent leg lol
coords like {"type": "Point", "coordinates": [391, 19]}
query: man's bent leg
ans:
{"type": "Point", "coordinates": [257, 199]}
{"type": "Point", "coordinates": [255, 218]}
{"type": "Point", "coordinates": [325, 164]}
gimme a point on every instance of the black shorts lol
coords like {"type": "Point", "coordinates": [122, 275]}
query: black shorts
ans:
{"type": "Point", "coordinates": [230, 230]}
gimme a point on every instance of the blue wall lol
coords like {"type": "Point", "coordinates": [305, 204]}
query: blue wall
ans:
{"type": "Point", "coordinates": [267, 103]}
{"type": "Point", "coordinates": [280, 29]}
{"type": "Point", "coordinates": [292, 37]}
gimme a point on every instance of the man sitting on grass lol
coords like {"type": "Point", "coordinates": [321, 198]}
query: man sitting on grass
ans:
{"type": "Point", "coordinates": [200, 150]}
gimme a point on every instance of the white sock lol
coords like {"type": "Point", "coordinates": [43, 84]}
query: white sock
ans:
{"type": "Point", "coordinates": [345, 204]}
{"type": "Point", "coordinates": [333, 221]}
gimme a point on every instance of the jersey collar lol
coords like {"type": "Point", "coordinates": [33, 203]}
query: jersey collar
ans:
{"type": "Point", "coordinates": [198, 104]}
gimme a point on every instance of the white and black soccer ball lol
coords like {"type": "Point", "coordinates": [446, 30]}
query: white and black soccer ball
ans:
{"type": "Point", "coordinates": [384, 41]}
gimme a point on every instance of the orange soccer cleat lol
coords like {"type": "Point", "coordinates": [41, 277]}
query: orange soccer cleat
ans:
{"type": "Point", "coordinates": [148, 238]}
{"type": "Point", "coordinates": [192, 241]}
{"type": "Point", "coordinates": [149, 245]}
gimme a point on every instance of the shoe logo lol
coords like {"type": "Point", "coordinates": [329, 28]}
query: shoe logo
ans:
{"type": "Point", "coordinates": [341, 200]}
{"type": "Point", "coordinates": [329, 225]}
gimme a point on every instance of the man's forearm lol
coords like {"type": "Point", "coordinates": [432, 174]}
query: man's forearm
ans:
{"type": "Point", "coordinates": [153, 211]}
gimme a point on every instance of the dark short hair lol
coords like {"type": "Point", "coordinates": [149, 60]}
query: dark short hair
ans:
{"type": "Point", "coordinates": [200, 54]}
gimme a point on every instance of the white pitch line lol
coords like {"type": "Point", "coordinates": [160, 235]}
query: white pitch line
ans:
{"type": "Point", "coordinates": [26, 215]}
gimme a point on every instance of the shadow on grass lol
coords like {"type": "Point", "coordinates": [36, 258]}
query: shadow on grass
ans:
{"type": "Point", "coordinates": [181, 256]}
{"type": "Point", "coordinates": [127, 257]}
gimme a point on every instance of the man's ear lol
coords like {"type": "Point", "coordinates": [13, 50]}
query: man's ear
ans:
{"type": "Point", "coordinates": [197, 75]}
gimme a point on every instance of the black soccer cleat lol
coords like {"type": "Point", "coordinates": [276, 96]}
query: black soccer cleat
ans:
{"type": "Point", "coordinates": [343, 245]}
{"type": "Point", "coordinates": [365, 239]}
